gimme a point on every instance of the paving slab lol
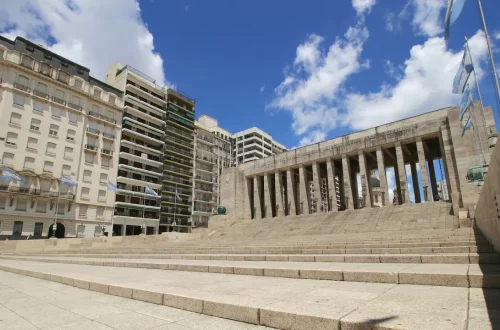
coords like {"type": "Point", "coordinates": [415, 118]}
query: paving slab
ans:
{"type": "Point", "coordinates": [282, 302]}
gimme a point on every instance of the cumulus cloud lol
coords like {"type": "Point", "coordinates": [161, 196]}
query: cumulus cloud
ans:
{"type": "Point", "coordinates": [426, 85]}
{"type": "Point", "coordinates": [311, 84]}
{"type": "Point", "coordinates": [93, 33]}
{"type": "Point", "coordinates": [363, 6]}
{"type": "Point", "coordinates": [428, 16]}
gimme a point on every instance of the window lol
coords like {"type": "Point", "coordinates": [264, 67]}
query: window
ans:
{"type": "Point", "coordinates": [73, 118]}
{"type": "Point", "coordinates": [8, 158]}
{"type": "Point", "coordinates": [63, 76]}
{"type": "Point", "coordinates": [101, 197]}
{"type": "Point", "coordinates": [68, 153]}
{"type": "Point", "coordinates": [32, 144]}
{"type": "Point", "coordinates": [97, 92]}
{"type": "Point", "coordinates": [35, 124]}
{"type": "Point", "coordinates": [110, 114]}
{"type": "Point", "coordinates": [85, 194]}
{"type": "Point", "coordinates": [18, 228]}
{"type": "Point", "coordinates": [48, 166]}
{"type": "Point", "coordinates": [66, 170]}
{"type": "Point", "coordinates": [11, 139]}
{"type": "Point", "coordinates": [78, 83]}
{"type": "Point", "coordinates": [87, 176]}
{"type": "Point", "coordinates": [75, 100]}
{"type": "Point", "coordinates": [104, 178]}
{"type": "Point", "coordinates": [70, 135]}
{"type": "Point", "coordinates": [27, 61]}
{"type": "Point", "coordinates": [45, 69]}
{"type": "Point", "coordinates": [41, 87]}
{"type": "Point", "coordinates": [38, 229]}
{"type": "Point", "coordinates": [51, 149]}
{"type": "Point", "coordinates": [54, 130]}
{"type": "Point", "coordinates": [37, 106]}
{"type": "Point", "coordinates": [89, 158]}
{"type": "Point", "coordinates": [83, 210]}
{"type": "Point", "coordinates": [18, 99]}
{"type": "Point", "coordinates": [112, 99]}
{"type": "Point", "coordinates": [15, 119]}
{"type": "Point", "coordinates": [21, 204]}
{"type": "Point", "coordinates": [60, 208]}
{"type": "Point", "coordinates": [105, 162]}
{"type": "Point", "coordinates": [29, 163]}
{"type": "Point", "coordinates": [22, 80]}
{"type": "Point", "coordinates": [100, 212]}
{"type": "Point", "coordinates": [56, 112]}
{"type": "Point", "coordinates": [41, 206]}
{"type": "Point", "coordinates": [2, 203]}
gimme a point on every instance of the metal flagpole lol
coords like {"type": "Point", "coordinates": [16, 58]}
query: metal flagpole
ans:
{"type": "Point", "coordinates": [175, 203]}
{"type": "Point", "coordinates": [477, 87]}
{"type": "Point", "coordinates": [113, 216]}
{"type": "Point", "coordinates": [495, 76]}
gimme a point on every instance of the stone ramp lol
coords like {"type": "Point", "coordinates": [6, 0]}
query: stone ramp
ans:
{"type": "Point", "coordinates": [409, 217]}
{"type": "Point", "coordinates": [281, 302]}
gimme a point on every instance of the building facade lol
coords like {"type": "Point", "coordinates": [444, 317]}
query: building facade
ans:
{"type": "Point", "coordinates": [55, 120]}
{"type": "Point", "coordinates": [252, 144]}
{"type": "Point", "coordinates": [299, 181]}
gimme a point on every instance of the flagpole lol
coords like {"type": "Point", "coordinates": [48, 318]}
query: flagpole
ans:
{"type": "Point", "coordinates": [175, 203]}
{"type": "Point", "coordinates": [113, 216]}
{"type": "Point", "coordinates": [495, 76]}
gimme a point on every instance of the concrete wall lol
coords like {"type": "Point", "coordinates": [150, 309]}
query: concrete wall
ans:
{"type": "Point", "coordinates": [487, 213]}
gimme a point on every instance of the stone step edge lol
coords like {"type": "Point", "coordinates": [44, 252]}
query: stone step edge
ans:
{"type": "Point", "coordinates": [401, 277]}
{"type": "Point", "coordinates": [465, 258]}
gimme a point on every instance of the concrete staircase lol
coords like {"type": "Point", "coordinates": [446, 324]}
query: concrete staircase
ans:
{"type": "Point", "coordinates": [427, 277]}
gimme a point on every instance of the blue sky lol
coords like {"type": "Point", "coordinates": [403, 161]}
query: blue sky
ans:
{"type": "Point", "coordinates": [303, 72]}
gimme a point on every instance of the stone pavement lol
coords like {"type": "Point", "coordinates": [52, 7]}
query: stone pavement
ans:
{"type": "Point", "coordinates": [30, 303]}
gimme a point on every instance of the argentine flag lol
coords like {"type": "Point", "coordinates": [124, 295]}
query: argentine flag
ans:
{"type": "Point", "coordinates": [454, 9]}
{"type": "Point", "coordinates": [463, 73]}
{"type": "Point", "coordinates": [177, 194]}
{"type": "Point", "coordinates": [67, 181]}
{"type": "Point", "coordinates": [150, 191]}
{"type": "Point", "coordinates": [10, 175]}
{"type": "Point", "coordinates": [467, 125]}
{"type": "Point", "coordinates": [112, 187]}
{"type": "Point", "coordinates": [466, 102]}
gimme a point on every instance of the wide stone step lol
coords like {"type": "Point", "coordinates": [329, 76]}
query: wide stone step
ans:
{"type": "Point", "coordinates": [458, 275]}
{"type": "Point", "coordinates": [451, 258]}
{"type": "Point", "coordinates": [282, 302]}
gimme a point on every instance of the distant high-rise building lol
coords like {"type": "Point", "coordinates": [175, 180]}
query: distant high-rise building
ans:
{"type": "Point", "coordinates": [252, 144]}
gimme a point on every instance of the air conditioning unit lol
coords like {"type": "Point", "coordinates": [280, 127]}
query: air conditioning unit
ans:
{"type": "Point", "coordinates": [144, 155]}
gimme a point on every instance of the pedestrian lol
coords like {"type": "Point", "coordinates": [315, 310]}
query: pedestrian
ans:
{"type": "Point", "coordinates": [28, 237]}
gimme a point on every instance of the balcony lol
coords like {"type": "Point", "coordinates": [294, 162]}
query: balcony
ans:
{"type": "Point", "coordinates": [180, 132]}
{"type": "Point", "coordinates": [205, 140]}
{"type": "Point", "coordinates": [75, 106]}
{"type": "Point", "coordinates": [107, 152]}
{"type": "Point", "coordinates": [131, 213]}
{"type": "Point", "coordinates": [127, 178]}
{"type": "Point", "coordinates": [179, 141]}
{"type": "Point", "coordinates": [91, 147]}
{"type": "Point", "coordinates": [173, 188]}
{"type": "Point", "coordinates": [174, 169]}
{"type": "Point", "coordinates": [174, 200]}
{"type": "Point", "coordinates": [204, 189]}
{"type": "Point", "coordinates": [127, 191]}
{"type": "Point", "coordinates": [43, 95]}
{"type": "Point", "coordinates": [140, 146]}
{"type": "Point", "coordinates": [108, 136]}
{"type": "Point", "coordinates": [144, 114]}
{"type": "Point", "coordinates": [175, 210]}
{"type": "Point", "coordinates": [136, 206]}
{"type": "Point", "coordinates": [204, 179]}
{"type": "Point", "coordinates": [102, 117]}
{"type": "Point", "coordinates": [145, 125]}
{"type": "Point", "coordinates": [177, 161]}
{"type": "Point", "coordinates": [144, 160]}
{"type": "Point", "coordinates": [139, 170]}
{"type": "Point", "coordinates": [205, 159]}
{"type": "Point", "coordinates": [148, 137]}
{"type": "Point", "coordinates": [68, 196]}
{"type": "Point", "coordinates": [58, 100]}
{"type": "Point", "coordinates": [171, 178]}
{"type": "Point", "coordinates": [203, 210]}
{"type": "Point", "coordinates": [143, 101]}
{"type": "Point", "coordinates": [22, 87]}
{"type": "Point", "coordinates": [185, 153]}
{"type": "Point", "coordinates": [93, 131]}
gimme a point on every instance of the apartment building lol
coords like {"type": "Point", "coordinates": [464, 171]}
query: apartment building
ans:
{"type": "Point", "coordinates": [56, 120]}
{"type": "Point", "coordinates": [141, 151]}
{"type": "Point", "coordinates": [252, 144]}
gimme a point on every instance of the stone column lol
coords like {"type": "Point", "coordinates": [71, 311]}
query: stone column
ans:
{"type": "Point", "coordinates": [278, 190]}
{"type": "Point", "coordinates": [346, 169]}
{"type": "Point", "coordinates": [247, 215]}
{"type": "Point", "coordinates": [268, 202]}
{"type": "Point", "coordinates": [414, 179]}
{"type": "Point", "coordinates": [304, 200]}
{"type": "Point", "coordinates": [256, 198]}
{"type": "Point", "coordinates": [365, 180]}
{"type": "Point", "coordinates": [332, 193]}
{"type": "Point", "coordinates": [317, 187]}
{"type": "Point", "coordinates": [402, 174]}
{"type": "Point", "coordinates": [432, 174]}
{"type": "Point", "coordinates": [382, 177]}
{"type": "Point", "coordinates": [448, 156]}
{"type": "Point", "coordinates": [290, 188]}
{"type": "Point", "coordinates": [423, 170]}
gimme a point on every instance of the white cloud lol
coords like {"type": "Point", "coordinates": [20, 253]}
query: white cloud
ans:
{"type": "Point", "coordinates": [391, 183]}
{"type": "Point", "coordinates": [186, 8]}
{"type": "Point", "coordinates": [393, 21]}
{"type": "Point", "coordinates": [93, 33]}
{"type": "Point", "coordinates": [262, 88]}
{"type": "Point", "coordinates": [393, 71]}
{"type": "Point", "coordinates": [363, 6]}
{"type": "Point", "coordinates": [428, 16]}
{"type": "Point", "coordinates": [310, 86]}
{"type": "Point", "coordinates": [426, 85]}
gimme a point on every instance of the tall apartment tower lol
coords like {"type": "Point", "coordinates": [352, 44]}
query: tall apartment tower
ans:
{"type": "Point", "coordinates": [178, 156]}
{"type": "Point", "coordinates": [141, 151]}
{"type": "Point", "coordinates": [252, 144]}
{"type": "Point", "coordinates": [56, 122]}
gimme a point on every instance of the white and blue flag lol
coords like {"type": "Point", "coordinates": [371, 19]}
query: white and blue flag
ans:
{"type": "Point", "coordinates": [467, 125]}
{"type": "Point", "coordinates": [463, 73]}
{"type": "Point", "coordinates": [10, 175]}
{"type": "Point", "coordinates": [177, 194]}
{"type": "Point", "coordinates": [454, 9]}
{"type": "Point", "coordinates": [112, 187]}
{"type": "Point", "coordinates": [150, 191]}
{"type": "Point", "coordinates": [67, 181]}
{"type": "Point", "coordinates": [466, 102]}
